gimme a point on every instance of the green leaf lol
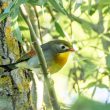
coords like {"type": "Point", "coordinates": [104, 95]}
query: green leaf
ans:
{"type": "Point", "coordinates": [108, 60]}
{"type": "Point", "coordinates": [6, 12]}
{"type": "Point", "coordinates": [14, 16]}
{"type": "Point", "coordinates": [102, 86]}
{"type": "Point", "coordinates": [12, 6]}
{"type": "Point", "coordinates": [77, 5]}
{"type": "Point", "coordinates": [59, 29]}
{"type": "Point", "coordinates": [17, 32]}
{"type": "Point", "coordinates": [104, 2]}
{"type": "Point", "coordinates": [58, 6]}
{"type": "Point", "coordinates": [15, 26]}
{"type": "Point", "coordinates": [8, 9]}
{"type": "Point", "coordinates": [84, 103]}
{"type": "Point", "coordinates": [17, 3]}
{"type": "Point", "coordinates": [91, 84]}
{"type": "Point", "coordinates": [87, 28]}
{"type": "Point", "coordinates": [92, 9]}
{"type": "Point", "coordinates": [88, 66]}
{"type": "Point", "coordinates": [37, 2]}
{"type": "Point", "coordinates": [3, 16]}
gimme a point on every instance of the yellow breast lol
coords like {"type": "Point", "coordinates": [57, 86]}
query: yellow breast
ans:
{"type": "Point", "coordinates": [58, 62]}
{"type": "Point", "coordinates": [61, 58]}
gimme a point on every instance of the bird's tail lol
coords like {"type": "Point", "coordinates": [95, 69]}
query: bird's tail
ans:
{"type": "Point", "coordinates": [9, 67]}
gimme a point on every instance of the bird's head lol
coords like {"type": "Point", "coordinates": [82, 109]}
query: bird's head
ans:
{"type": "Point", "coordinates": [59, 51]}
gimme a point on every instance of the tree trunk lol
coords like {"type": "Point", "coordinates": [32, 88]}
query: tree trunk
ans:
{"type": "Point", "coordinates": [15, 84]}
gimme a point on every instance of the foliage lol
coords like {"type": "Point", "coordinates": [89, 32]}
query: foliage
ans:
{"type": "Point", "coordinates": [86, 104]}
{"type": "Point", "coordinates": [86, 25]}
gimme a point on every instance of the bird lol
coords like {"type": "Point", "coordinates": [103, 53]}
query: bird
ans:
{"type": "Point", "coordinates": [56, 53]}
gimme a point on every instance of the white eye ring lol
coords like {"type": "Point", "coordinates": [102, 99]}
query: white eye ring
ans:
{"type": "Point", "coordinates": [64, 47]}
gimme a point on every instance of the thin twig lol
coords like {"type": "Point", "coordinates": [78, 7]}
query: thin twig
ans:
{"type": "Point", "coordinates": [41, 59]}
{"type": "Point", "coordinates": [37, 16]}
{"type": "Point", "coordinates": [95, 87]}
{"type": "Point", "coordinates": [51, 13]}
{"type": "Point", "coordinates": [71, 29]}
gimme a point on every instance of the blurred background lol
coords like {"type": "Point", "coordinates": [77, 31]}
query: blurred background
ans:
{"type": "Point", "coordinates": [84, 82]}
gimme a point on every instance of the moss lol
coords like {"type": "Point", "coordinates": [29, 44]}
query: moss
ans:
{"type": "Point", "coordinates": [12, 42]}
{"type": "Point", "coordinates": [5, 80]}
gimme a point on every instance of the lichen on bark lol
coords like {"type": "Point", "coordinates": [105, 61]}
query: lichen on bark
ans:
{"type": "Point", "coordinates": [14, 85]}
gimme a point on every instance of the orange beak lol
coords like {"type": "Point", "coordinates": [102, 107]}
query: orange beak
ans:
{"type": "Point", "coordinates": [71, 49]}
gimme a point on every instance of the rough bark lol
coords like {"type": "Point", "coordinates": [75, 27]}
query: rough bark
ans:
{"type": "Point", "coordinates": [15, 84]}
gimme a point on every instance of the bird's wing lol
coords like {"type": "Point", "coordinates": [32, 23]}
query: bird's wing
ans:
{"type": "Point", "coordinates": [27, 56]}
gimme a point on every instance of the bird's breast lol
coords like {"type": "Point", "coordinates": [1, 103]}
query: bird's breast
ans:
{"type": "Point", "coordinates": [61, 58]}
{"type": "Point", "coordinates": [58, 62]}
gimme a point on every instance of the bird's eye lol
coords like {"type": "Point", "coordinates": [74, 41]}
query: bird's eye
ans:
{"type": "Point", "coordinates": [63, 47]}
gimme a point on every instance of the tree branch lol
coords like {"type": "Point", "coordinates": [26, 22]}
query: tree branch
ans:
{"type": "Point", "coordinates": [41, 59]}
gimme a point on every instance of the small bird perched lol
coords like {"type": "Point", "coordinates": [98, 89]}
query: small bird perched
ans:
{"type": "Point", "coordinates": [55, 52]}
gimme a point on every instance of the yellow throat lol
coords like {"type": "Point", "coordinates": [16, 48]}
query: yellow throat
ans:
{"type": "Point", "coordinates": [61, 58]}
{"type": "Point", "coordinates": [59, 61]}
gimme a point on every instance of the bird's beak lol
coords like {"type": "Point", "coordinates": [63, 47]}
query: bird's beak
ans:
{"type": "Point", "coordinates": [72, 49]}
